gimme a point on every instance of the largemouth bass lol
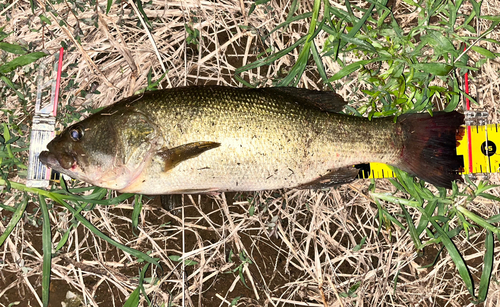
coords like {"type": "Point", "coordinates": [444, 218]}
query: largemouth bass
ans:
{"type": "Point", "coordinates": [213, 139]}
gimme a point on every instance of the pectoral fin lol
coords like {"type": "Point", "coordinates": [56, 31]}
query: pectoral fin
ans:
{"type": "Point", "coordinates": [174, 156]}
{"type": "Point", "coordinates": [334, 177]}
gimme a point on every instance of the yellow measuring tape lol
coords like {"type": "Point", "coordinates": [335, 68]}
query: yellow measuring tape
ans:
{"type": "Point", "coordinates": [485, 144]}
{"type": "Point", "coordinates": [485, 153]}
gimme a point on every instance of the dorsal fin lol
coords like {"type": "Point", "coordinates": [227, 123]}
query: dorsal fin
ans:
{"type": "Point", "coordinates": [323, 100]}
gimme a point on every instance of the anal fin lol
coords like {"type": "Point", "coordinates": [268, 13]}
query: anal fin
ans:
{"type": "Point", "coordinates": [332, 178]}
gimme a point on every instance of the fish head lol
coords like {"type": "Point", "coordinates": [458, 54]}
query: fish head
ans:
{"type": "Point", "coordinates": [107, 151]}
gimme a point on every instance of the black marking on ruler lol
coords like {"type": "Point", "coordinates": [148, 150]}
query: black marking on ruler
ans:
{"type": "Point", "coordinates": [496, 127]}
{"type": "Point", "coordinates": [493, 149]}
{"type": "Point", "coordinates": [491, 145]}
{"type": "Point", "coordinates": [383, 176]}
{"type": "Point", "coordinates": [462, 162]}
{"type": "Point", "coordinates": [55, 175]}
{"type": "Point", "coordinates": [364, 170]}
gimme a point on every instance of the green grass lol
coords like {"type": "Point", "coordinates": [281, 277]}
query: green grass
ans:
{"type": "Point", "coordinates": [437, 211]}
{"type": "Point", "coordinates": [403, 71]}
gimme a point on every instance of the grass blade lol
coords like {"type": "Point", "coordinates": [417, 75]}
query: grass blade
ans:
{"type": "Point", "coordinates": [352, 68]}
{"type": "Point", "coordinates": [484, 284]}
{"type": "Point", "coordinates": [133, 299]}
{"type": "Point", "coordinates": [266, 61]}
{"type": "Point", "coordinates": [358, 25]}
{"type": "Point", "coordinates": [64, 238]}
{"type": "Point", "coordinates": [144, 15]}
{"type": "Point", "coordinates": [300, 65]}
{"type": "Point", "coordinates": [47, 251]}
{"type": "Point", "coordinates": [456, 257]}
{"type": "Point", "coordinates": [383, 213]}
{"type": "Point", "coordinates": [319, 65]}
{"type": "Point", "coordinates": [8, 141]}
{"type": "Point", "coordinates": [455, 99]}
{"type": "Point", "coordinates": [286, 23]}
{"type": "Point", "coordinates": [438, 69]}
{"type": "Point", "coordinates": [293, 9]}
{"type": "Point", "coordinates": [359, 43]}
{"type": "Point", "coordinates": [478, 220]}
{"type": "Point", "coordinates": [108, 6]}
{"type": "Point", "coordinates": [436, 258]}
{"type": "Point", "coordinates": [413, 231]}
{"type": "Point", "coordinates": [14, 220]}
{"type": "Point", "coordinates": [485, 52]}
{"type": "Point", "coordinates": [21, 61]}
{"type": "Point", "coordinates": [141, 283]}
{"type": "Point", "coordinates": [137, 211]}
{"type": "Point", "coordinates": [12, 48]}
{"type": "Point", "coordinates": [477, 7]}
{"type": "Point", "coordinates": [422, 224]}
{"type": "Point", "coordinates": [453, 13]}
{"type": "Point", "coordinates": [101, 235]}
{"type": "Point", "coordinates": [298, 68]}
{"type": "Point", "coordinates": [12, 87]}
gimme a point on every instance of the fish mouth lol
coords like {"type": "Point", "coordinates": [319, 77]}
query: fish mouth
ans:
{"type": "Point", "coordinates": [50, 159]}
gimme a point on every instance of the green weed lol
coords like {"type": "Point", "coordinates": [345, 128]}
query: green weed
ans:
{"type": "Point", "coordinates": [352, 291]}
{"type": "Point", "coordinates": [245, 260]}
{"type": "Point", "coordinates": [435, 224]}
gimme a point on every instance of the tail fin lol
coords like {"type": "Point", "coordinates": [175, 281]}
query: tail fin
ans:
{"type": "Point", "coordinates": [430, 146]}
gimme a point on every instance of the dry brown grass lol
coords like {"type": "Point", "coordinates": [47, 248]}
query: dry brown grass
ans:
{"type": "Point", "coordinates": [300, 242]}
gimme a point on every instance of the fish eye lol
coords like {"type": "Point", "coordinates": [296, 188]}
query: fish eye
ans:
{"type": "Point", "coordinates": [76, 133]}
